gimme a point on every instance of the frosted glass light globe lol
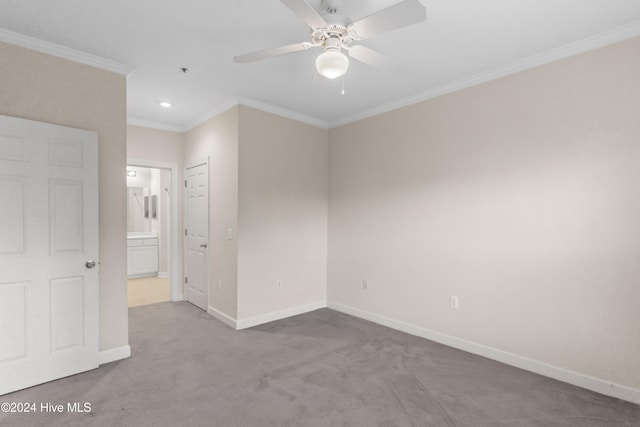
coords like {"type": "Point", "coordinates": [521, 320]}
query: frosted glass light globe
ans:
{"type": "Point", "coordinates": [332, 64]}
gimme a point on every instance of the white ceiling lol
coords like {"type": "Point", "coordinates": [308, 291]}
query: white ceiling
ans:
{"type": "Point", "coordinates": [462, 42]}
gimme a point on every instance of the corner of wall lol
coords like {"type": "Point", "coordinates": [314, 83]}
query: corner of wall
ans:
{"type": "Point", "coordinates": [282, 214]}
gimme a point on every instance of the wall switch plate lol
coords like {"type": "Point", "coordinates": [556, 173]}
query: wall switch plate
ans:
{"type": "Point", "coordinates": [365, 284]}
{"type": "Point", "coordinates": [454, 303]}
{"type": "Point", "coordinates": [229, 233]}
{"type": "Point", "coordinates": [219, 284]}
{"type": "Point", "coordinates": [278, 283]}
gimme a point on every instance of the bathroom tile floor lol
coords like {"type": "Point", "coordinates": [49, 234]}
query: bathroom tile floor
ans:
{"type": "Point", "coordinates": [148, 290]}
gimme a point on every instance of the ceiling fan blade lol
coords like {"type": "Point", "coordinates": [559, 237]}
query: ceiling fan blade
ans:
{"type": "Point", "coordinates": [370, 57]}
{"type": "Point", "coordinates": [304, 11]}
{"type": "Point", "coordinates": [407, 12]}
{"type": "Point", "coordinates": [269, 53]}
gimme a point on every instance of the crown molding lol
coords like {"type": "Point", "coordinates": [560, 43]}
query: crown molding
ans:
{"type": "Point", "coordinates": [258, 105]}
{"type": "Point", "coordinates": [224, 107]}
{"type": "Point", "coordinates": [221, 108]}
{"type": "Point", "coordinates": [63, 52]}
{"type": "Point", "coordinates": [230, 103]}
{"type": "Point", "coordinates": [153, 125]}
{"type": "Point", "coordinates": [590, 43]}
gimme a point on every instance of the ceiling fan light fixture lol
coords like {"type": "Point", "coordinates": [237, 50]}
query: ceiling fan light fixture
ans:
{"type": "Point", "coordinates": [332, 63]}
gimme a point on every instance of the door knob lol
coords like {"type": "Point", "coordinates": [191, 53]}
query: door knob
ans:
{"type": "Point", "coordinates": [204, 245]}
{"type": "Point", "coordinates": [90, 264]}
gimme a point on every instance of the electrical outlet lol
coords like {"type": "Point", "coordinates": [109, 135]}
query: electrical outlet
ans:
{"type": "Point", "coordinates": [365, 284]}
{"type": "Point", "coordinates": [219, 284]}
{"type": "Point", "coordinates": [454, 302]}
{"type": "Point", "coordinates": [278, 283]}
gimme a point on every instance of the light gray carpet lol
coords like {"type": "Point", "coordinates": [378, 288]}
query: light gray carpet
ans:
{"type": "Point", "coordinates": [319, 369]}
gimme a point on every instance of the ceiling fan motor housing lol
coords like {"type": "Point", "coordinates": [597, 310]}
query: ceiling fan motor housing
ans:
{"type": "Point", "coordinates": [332, 43]}
{"type": "Point", "coordinates": [328, 35]}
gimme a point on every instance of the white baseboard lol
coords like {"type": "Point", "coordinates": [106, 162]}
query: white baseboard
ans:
{"type": "Point", "coordinates": [163, 274]}
{"type": "Point", "coordinates": [250, 322]}
{"type": "Point", "coordinates": [223, 317]}
{"type": "Point", "coordinates": [590, 383]}
{"type": "Point", "coordinates": [114, 354]}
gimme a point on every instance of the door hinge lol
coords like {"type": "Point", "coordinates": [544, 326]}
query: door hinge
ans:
{"type": "Point", "coordinates": [185, 183]}
{"type": "Point", "coordinates": [185, 231]}
{"type": "Point", "coordinates": [185, 279]}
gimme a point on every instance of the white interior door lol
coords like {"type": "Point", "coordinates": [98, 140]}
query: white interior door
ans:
{"type": "Point", "coordinates": [48, 238]}
{"type": "Point", "coordinates": [197, 226]}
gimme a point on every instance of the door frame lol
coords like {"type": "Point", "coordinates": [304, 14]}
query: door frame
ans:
{"type": "Point", "coordinates": [185, 249]}
{"type": "Point", "coordinates": [177, 293]}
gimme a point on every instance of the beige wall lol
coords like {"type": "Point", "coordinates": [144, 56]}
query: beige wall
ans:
{"type": "Point", "coordinates": [282, 227]}
{"type": "Point", "coordinates": [155, 144]}
{"type": "Point", "coordinates": [520, 196]}
{"type": "Point", "coordinates": [217, 139]}
{"type": "Point", "coordinates": [268, 183]}
{"type": "Point", "coordinates": [41, 87]}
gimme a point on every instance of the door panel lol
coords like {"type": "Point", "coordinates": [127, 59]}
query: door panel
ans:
{"type": "Point", "coordinates": [197, 235]}
{"type": "Point", "coordinates": [65, 216]}
{"type": "Point", "coordinates": [13, 310]}
{"type": "Point", "coordinates": [49, 229]}
{"type": "Point", "coordinates": [12, 216]}
{"type": "Point", "coordinates": [12, 147]}
{"type": "Point", "coordinates": [67, 313]}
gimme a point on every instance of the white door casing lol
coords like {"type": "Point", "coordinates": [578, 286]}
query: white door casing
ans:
{"type": "Point", "coordinates": [197, 235]}
{"type": "Point", "coordinates": [48, 234]}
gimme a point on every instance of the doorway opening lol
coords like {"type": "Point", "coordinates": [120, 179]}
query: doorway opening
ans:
{"type": "Point", "coordinates": [152, 233]}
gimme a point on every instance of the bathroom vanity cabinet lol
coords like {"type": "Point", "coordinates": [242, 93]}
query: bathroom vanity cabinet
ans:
{"type": "Point", "coordinates": [142, 255]}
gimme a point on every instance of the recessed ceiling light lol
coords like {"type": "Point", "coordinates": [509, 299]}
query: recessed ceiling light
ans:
{"type": "Point", "coordinates": [131, 173]}
{"type": "Point", "coordinates": [165, 104]}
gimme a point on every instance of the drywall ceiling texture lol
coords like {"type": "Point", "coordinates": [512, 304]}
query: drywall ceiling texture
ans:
{"type": "Point", "coordinates": [520, 196]}
{"type": "Point", "coordinates": [282, 226]}
{"type": "Point", "coordinates": [41, 87]}
{"type": "Point", "coordinates": [217, 139]}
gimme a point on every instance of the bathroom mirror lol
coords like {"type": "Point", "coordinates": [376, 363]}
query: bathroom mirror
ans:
{"type": "Point", "coordinates": [154, 206]}
{"type": "Point", "coordinates": [137, 206]}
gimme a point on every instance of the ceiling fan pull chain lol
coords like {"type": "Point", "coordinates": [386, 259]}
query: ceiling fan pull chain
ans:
{"type": "Point", "coordinates": [342, 92]}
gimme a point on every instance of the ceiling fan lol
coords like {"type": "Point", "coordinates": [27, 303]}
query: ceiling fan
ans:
{"type": "Point", "coordinates": [334, 33]}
